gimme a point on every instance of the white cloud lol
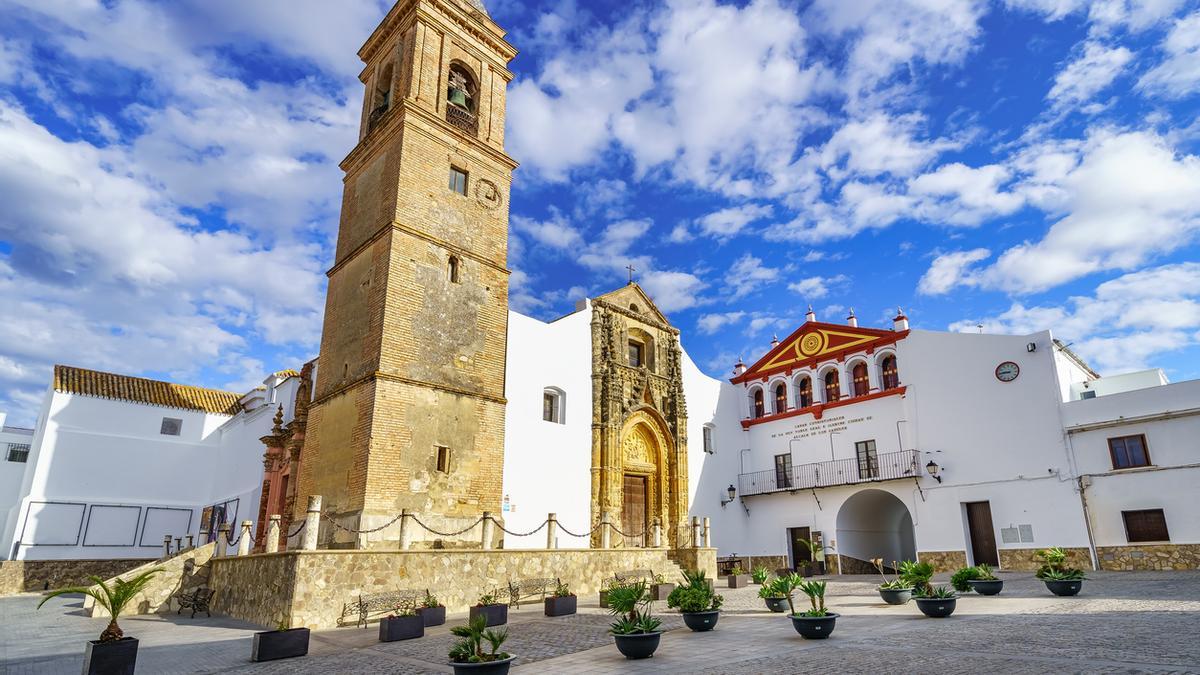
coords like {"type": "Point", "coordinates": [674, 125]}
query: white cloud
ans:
{"type": "Point", "coordinates": [748, 274]}
{"type": "Point", "coordinates": [1178, 75]}
{"type": "Point", "coordinates": [728, 222]}
{"type": "Point", "coordinates": [709, 324]}
{"type": "Point", "coordinates": [949, 270]}
{"type": "Point", "coordinates": [881, 144]}
{"type": "Point", "coordinates": [555, 232]}
{"type": "Point", "coordinates": [812, 288]}
{"type": "Point", "coordinates": [673, 291]}
{"type": "Point", "coordinates": [1105, 15]}
{"type": "Point", "coordinates": [957, 194]}
{"type": "Point", "coordinates": [1089, 74]}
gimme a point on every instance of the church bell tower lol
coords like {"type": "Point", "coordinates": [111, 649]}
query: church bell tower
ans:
{"type": "Point", "coordinates": [408, 410]}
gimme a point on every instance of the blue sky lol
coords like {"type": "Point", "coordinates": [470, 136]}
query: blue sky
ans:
{"type": "Point", "coordinates": [171, 190]}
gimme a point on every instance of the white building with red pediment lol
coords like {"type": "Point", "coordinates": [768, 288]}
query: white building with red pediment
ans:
{"type": "Point", "coordinates": [949, 447]}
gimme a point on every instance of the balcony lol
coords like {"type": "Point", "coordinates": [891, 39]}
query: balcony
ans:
{"type": "Point", "coordinates": [462, 119]}
{"type": "Point", "coordinates": [888, 466]}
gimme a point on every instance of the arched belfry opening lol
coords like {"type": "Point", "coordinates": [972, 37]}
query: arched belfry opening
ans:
{"type": "Point", "coordinates": [462, 92]}
{"type": "Point", "coordinates": [874, 524]}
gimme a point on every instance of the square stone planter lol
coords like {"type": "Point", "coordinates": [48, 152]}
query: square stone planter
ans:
{"type": "Point", "coordinates": [661, 591]}
{"type": "Point", "coordinates": [279, 644]}
{"type": "Point", "coordinates": [739, 580]}
{"type": "Point", "coordinates": [561, 606]}
{"type": "Point", "coordinates": [396, 628]}
{"type": "Point", "coordinates": [495, 615]}
{"type": "Point", "coordinates": [433, 616]}
{"type": "Point", "coordinates": [117, 658]}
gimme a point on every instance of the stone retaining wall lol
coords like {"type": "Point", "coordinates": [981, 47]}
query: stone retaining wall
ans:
{"type": "Point", "coordinates": [1025, 559]}
{"type": "Point", "coordinates": [182, 573]}
{"type": "Point", "coordinates": [22, 576]}
{"type": "Point", "coordinates": [310, 588]}
{"type": "Point", "coordinates": [1150, 557]}
{"type": "Point", "coordinates": [943, 561]}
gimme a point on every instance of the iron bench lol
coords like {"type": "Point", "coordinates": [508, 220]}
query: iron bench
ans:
{"type": "Point", "coordinates": [197, 601]}
{"type": "Point", "coordinates": [527, 589]}
{"type": "Point", "coordinates": [634, 576]}
{"type": "Point", "coordinates": [364, 605]}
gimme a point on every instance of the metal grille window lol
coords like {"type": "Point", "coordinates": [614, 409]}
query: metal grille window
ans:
{"type": "Point", "coordinates": [171, 426]}
{"type": "Point", "coordinates": [780, 397]}
{"type": "Point", "coordinates": [1145, 525]}
{"type": "Point", "coordinates": [708, 439]}
{"type": "Point", "coordinates": [1128, 452]}
{"type": "Point", "coordinates": [868, 459]}
{"type": "Point", "coordinates": [833, 387]}
{"type": "Point", "coordinates": [458, 180]}
{"type": "Point", "coordinates": [18, 452]}
{"type": "Point", "coordinates": [805, 396]}
{"type": "Point", "coordinates": [783, 471]}
{"type": "Point", "coordinates": [759, 408]}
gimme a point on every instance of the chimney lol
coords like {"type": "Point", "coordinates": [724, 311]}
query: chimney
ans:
{"type": "Point", "coordinates": [852, 320]}
{"type": "Point", "coordinates": [774, 340]}
{"type": "Point", "coordinates": [900, 322]}
{"type": "Point", "coordinates": [739, 367]}
{"type": "Point", "coordinates": [811, 315]}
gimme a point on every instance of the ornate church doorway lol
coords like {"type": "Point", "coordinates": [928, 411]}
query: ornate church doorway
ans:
{"type": "Point", "coordinates": [633, 511]}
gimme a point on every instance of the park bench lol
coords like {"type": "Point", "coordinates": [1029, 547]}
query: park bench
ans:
{"type": "Point", "coordinates": [367, 604]}
{"type": "Point", "coordinates": [197, 601]}
{"type": "Point", "coordinates": [527, 589]}
{"type": "Point", "coordinates": [634, 576]}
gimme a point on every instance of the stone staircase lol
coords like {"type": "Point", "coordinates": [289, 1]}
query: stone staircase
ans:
{"type": "Point", "coordinates": [184, 572]}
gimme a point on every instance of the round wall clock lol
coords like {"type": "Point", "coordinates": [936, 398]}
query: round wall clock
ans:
{"type": "Point", "coordinates": [1007, 371]}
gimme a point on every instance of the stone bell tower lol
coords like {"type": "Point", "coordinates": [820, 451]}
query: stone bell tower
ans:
{"type": "Point", "coordinates": [408, 410]}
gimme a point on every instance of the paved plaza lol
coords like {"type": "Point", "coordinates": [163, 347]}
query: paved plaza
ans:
{"type": "Point", "coordinates": [1124, 622]}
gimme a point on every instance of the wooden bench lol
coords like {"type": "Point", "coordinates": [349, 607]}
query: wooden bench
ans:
{"type": "Point", "coordinates": [364, 605]}
{"type": "Point", "coordinates": [527, 589]}
{"type": "Point", "coordinates": [197, 601]}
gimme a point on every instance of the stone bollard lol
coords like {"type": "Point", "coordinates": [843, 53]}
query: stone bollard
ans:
{"type": "Point", "coordinates": [166, 546]}
{"type": "Point", "coordinates": [244, 538]}
{"type": "Point", "coordinates": [707, 533]}
{"type": "Point", "coordinates": [273, 524]}
{"type": "Point", "coordinates": [191, 542]}
{"type": "Point", "coordinates": [405, 530]}
{"type": "Point", "coordinates": [487, 530]}
{"type": "Point", "coordinates": [552, 531]}
{"type": "Point", "coordinates": [605, 531]}
{"type": "Point", "coordinates": [656, 534]}
{"type": "Point", "coordinates": [178, 545]}
{"type": "Point", "coordinates": [222, 548]}
{"type": "Point", "coordinates": [697, 536]}
{"type": "Point", "coordinates": [312, 523]}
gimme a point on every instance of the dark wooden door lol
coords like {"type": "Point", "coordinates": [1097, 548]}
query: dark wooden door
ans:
{"type": "Point", "coordinates": [633, 511]}
{"type": "Point", "coordinates": [801, 553]}
{"type": "Point", "coordinates": [983, 535]}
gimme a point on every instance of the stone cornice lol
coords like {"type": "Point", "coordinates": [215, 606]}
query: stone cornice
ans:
{"type": "Point", "coordinates": [397, 225]}
{"type": "Point", "coordinates": [380, 375]}
{"type": "Point", "coordinates": [617, 309]}
{"type": "Point", "coordinates": [477, 25]}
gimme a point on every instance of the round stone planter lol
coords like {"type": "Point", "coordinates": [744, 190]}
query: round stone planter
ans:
{"type": "Point", "coordinates": [937, 608]}
{"type": "Point", "coordinates": [776, 604]}
{"type": "Point", "coordinates": [701, 621]}
{"type": "Point", "coordinates": [989, 587]}
{"type": "Point", "coordinates": [896, 596]}
{"type": "Point", "coordinates": [488, 668]}
{"type": "Point", "coordinates": [638, 645]}
{"type": "Point", "coordinates": [1065, 587]}
{"type": "Point", "coordinates": [814, 627]}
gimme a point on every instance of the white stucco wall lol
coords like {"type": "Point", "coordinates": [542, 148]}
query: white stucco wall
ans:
{"type": "Point", "coordinates": [12, 475]}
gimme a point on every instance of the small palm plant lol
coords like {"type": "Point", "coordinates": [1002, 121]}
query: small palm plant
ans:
{"type": "Point", "coordinates": [631, 603]}
{"type": "Point", "coordinates": [815, 590]}
{"type": "Point", "coordinates": [760, 575]}
{"type": "Point", "coordinates": [112, 598]}
{"type": "Point", "coordinates": [470, 648]}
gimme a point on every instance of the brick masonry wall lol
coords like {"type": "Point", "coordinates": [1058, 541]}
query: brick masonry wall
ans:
{"type": "Point", "coordinates": [1025, 559]}
{"type": "Point", "coordinates": [1150, 557]}
{"type": "Point", "coordinates": [312, 587]}
{"type": "Point", "coordinates": [20, 576]}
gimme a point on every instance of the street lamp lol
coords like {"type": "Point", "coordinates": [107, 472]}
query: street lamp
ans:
{"type": "Point", "coordinates": [732, 492]}
{"type": "Point", "coordinates": [933, 469]}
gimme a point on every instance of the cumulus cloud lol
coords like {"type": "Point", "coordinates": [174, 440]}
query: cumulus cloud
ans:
{"type": "Point", "coordinates": [1089, 74]}
{"type": "Point", "coordinates": [1178, 74]}
{"type": "Point", "coordinates": [748, 274]}
{"type": "Point", "coordinates": [950, 270]}
{"type": "Point", "coordinates": [812, 288]}
{"type": "Point", "coordinates": [728, 222]}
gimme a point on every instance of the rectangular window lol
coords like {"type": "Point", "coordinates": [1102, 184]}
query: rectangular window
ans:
{"type": "Point", "coordinates": [1128, 452]}
{"type": "Point", "coordinates": [549, 407]}
{"type": "Point", "coordinates": [1145, 525]}
{"type": "Point", "coordinates": [783, 471]}
{"type": "Point", "coordinates": [443, 459]}
{"type": "Point", "coordinates": [171, 426]}
{"type": "Point", "coordinates": [635, 354]}
{"type": "Point", "coordinates": [868, 459]}
{"type": "Point", "coordinates": [458, 180]}
{"type": "Point", "coordinates": [708, 440]}
{"type": "Point", "coordinates": [18, 452]}
{"type": "Point", "coordinates": [1084, 395]}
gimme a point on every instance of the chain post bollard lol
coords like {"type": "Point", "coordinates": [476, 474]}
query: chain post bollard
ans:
{"type": "Point", "coordinates": [222, 548]}
{"type": "Point", "coordinates": [312, 523]}
{"type": "Point", "coordinates": [697, 536]}
{"type": "Point", "coordinates": [405, 531]}
{"type": "Point", "coordinates": [178, 545]}
{"type": "Point", "coordinates": [605, 531]}
{"type": "Point", "coordinates": [552, 531]}
{"type": "Point", "coordinates": [656, 534]}
{"type": "Point", "coordinates": [166, 546]}
{"type": "Point", "coordinates": [191, 542]}
{"type": "Point", "coordinates": [273, 524]}
{"type": "Point", "coordinates": [707, 532]}
{"type": "Point", "coordinates": [244, 538]}
{"type": "Point", "coordinates": [487, 530]}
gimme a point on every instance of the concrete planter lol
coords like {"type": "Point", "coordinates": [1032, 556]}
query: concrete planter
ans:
{"type": "Point", "coordinates": [433, 616]}
{"type": "Point", "coordinates": [701, 621]}
{"type": "Point", "coordinates": [488, 668]}
{"type": "Point", "coordinates": [638, 645]}
{"type": "Point", "coordinates": [937, 608]}
{"type": "Point", "coordinates": [110, 658]}
{"type": "Point", "coordinates": [738, 580]}
{"type": "Point", "coordinates": [896, 596]}
{"type": "Point", "coordinates": [495, 615]}
{"type": "Point", "coordinates": [776, 604]}
{"type": "Point", "coordinates": [396, 628]}
{"type": "Point", "coordinates": [561, 606]}
{"type": "Point", "coordinates": [1065, 587]}
{"type": "Point", "coordinates": [989, 587]}
{"type": "Point", "coordinates": [279, 644]}
{"type": "Point", "coordinates": [814, 627]}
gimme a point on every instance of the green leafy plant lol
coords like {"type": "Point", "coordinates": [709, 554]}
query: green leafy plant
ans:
{"type": "Point", "coordinates": [694, 594]}
{"type": "Point", "coordinates": [470, 649]}
{"type": "Point", "coordinates": [960, 578]}
{"type": "Point", "coordinates": [562, 590]}
{"type": "Point", "coordinates": [1054, 562]}
{"type": "Point", "coordinates": [737, 570]}
{"type": "Point", "coordinates": [760, 574]}
{"type": "Point", "coordinates": [1068, 574]}
{"type": "Point", "coordinates": [985, 573]}
{"type": "Point", "coordinates": [403, 610]}
{"type": "Point", "coordinates": [812, 546]}
{"type": "Point", "coordinates": [888, 584]}
{"type": "Point", "coordinates": [784, 586]}
{"type": "Point", "coordinates": [112, 598]}
{"type": "Point", "coordinates": [916, 575]}
{"type": "Point", "coordinates": [771, 591]}
{"type": "Point", "coordinates": [939, 592]}
{"type": "Point", "coordinates": [631, 604]}
{"type": "Point", "coordinates": [486, 599]}
{"type": "Point", "coordinates": [284, 623]}
{"type": "Point", "coordinates": [659, 579]}
{"type": "Point", "coordinates": [430, 601]}
{"type": "Point", "coordinates": [815, 590]}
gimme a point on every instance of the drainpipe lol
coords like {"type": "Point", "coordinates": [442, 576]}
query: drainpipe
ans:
{"type": "Point", "coordinates": [1083, 481]}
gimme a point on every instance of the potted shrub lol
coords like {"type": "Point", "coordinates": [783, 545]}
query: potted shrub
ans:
{"type": "Point", "coordinates": [812, 567]}
{"type": "Point", "coordinates": [893, 591]}
{"type": "Point", "coordinates": [660, 589]}
{"type": "Point", "coordinates": [696, 601]}
{"type": "Point", "coordinates": [113, 652]}
{"type": "Point", "coordinates": [738, 577]}
{"type": "Point", "coordinates": [494, 613]}
{"type": "Point", "coordinates": [432, 612]}
{"type": "Point", "coordinates": [405, 625]}
{"type": "Point", "coordinates": [760, 575]}
{"type": "Point", "coordinates": [916, 575]}
{"type": "Point", "coordinates": [636, 633]}
{"type": "Point", "coordinates": [936, 602]}
{"type": "Point", "coordinates": [1059, 579]}
{"type": "Point", "coordinates": [281, 643]}
{"type": "Point", "coordinates": [774, 594]}
{"type": "Point", "coordinates": [979, 579]}
{"type": "Point", "coordinates": [468, 656]}
{"type": "Point", "coordinates": [817, 622]}
{"type": "Point", "coordinates": [562, 602]}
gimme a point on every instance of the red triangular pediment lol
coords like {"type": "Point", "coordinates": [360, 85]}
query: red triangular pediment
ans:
{"type": "Point", "coordinates": [816, 341]}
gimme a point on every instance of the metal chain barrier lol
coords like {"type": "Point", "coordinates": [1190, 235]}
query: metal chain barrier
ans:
{"type": "Point", "coordinates": [351, 530]}
{"type": "Point", "coordinates": [235, 540]}
{"type": "Point", "coordinates": [445, 534]}
{"type": "Point", "coordinates": [585, 534]}
{"type": "Point", "coordinates": [521, 534]}
{"type": "Point", "coordinates": [298, 529]}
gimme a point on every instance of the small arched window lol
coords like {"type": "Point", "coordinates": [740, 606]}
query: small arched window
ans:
{"type": "Point", "coordinates": [833, 386]}
{"type": "Point", "coordinates": [804, 392]}
{"type": "Point", "coordinates": [381, 97]}
{"type": "Point", "coordinates": [862, 383]}
{"type": "Point", "coordinates": [452, 269]}
{"type": "Point", "coordinates": [780, 398]}
{"type": "Point", "coordinates": [554, 405]}
{"type": "Point", "coordinates": [891, 376]}
{"type": "Point", "coordinates": [759, 408]}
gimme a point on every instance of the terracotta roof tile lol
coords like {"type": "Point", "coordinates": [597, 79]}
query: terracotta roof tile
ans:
{"type": "Point", "coordinates": [84, 382]}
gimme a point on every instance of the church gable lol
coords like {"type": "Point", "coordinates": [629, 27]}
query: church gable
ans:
{"type": "Point", "coordinates": [631, 298]}
{"type": "Point", "coordinates": [816, 341]}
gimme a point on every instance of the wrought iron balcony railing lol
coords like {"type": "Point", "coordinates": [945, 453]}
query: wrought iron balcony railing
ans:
{"type": "Point", "coordinates": [462, 119]}
{"type": "Point", "coordinates": [888, 466]}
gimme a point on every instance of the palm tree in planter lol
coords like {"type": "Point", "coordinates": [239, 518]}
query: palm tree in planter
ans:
{"type": "Point", "coordinates": [113, 652]}
{"type": "Point", "coordinates": [468, 656]}
{"type": "Point", "coordinates": [636, 632]}
{"type": "Point", "coordinates": [1059, 579]}
{"type": "Point", "coordinates": [774, 593]}
{"type": "Point", "coordinates": [696, 601]}
{"type": "Point", "coordinates": [817, 622]}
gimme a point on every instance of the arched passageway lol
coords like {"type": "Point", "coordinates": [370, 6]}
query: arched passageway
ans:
{"type": "Point", "coordinates": [874, 524]}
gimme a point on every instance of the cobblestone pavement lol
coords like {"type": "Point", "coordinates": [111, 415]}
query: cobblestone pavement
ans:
{"type": "Point", "coordinates": [1123, 622]}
